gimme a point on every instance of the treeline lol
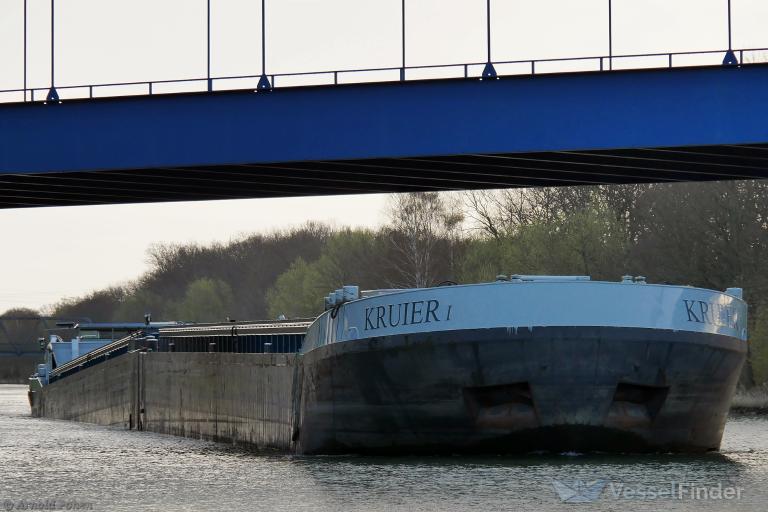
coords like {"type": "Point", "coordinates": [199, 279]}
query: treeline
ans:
{"type": "Point", "coordinates": [19, 349]}
{"type": "Point", "coordinates": [713, 235]}
{"type": "Point", "coordinates": [203, 283]}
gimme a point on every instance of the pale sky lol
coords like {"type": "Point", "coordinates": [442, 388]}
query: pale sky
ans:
{"type": "Point", "coordinates": [50, 253]}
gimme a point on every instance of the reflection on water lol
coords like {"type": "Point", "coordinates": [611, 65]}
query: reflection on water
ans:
{"type": "Point", "coordinates": [114, 469]}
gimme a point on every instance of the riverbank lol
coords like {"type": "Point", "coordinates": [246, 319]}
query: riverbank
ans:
{"type": "Point", "coordinates": [753, 400]}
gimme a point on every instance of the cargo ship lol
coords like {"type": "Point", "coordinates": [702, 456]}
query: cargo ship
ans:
{"type": "Point", "coordinates": [522, 364]}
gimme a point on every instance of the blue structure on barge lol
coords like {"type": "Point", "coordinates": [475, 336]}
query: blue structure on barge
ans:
{"type": "Point", "coordinates": [77, 345]}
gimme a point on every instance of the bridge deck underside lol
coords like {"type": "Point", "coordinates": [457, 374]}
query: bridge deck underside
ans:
{"type": "Point", "coordinates": [312, 178]}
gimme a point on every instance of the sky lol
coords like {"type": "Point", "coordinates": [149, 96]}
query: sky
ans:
{"type": "Point", "coordinates": [50, 253]}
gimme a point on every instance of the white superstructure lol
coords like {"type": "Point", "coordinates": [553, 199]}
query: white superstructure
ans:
{"type": "Point", "coordinates": [525, 302]}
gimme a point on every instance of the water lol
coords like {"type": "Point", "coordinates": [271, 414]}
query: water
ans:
{"type": "Point", "coordinates": [99, 468]}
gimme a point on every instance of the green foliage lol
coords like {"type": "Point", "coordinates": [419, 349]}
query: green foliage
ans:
{"type": "Point", "coordinates": [206, 300]}
{"type": "Point", "coordinates": [139, 302]}
{"type": "Point", "coordinates": [96, 306]}
{"type": "Point", "coordinates": [422, 231]}
{"type": "Point", "coordinates": [294, 294]}
{"type": "Point", "coordinates": [711, 235]}
{"type": "Point", "coordinates": [249, 266]}
{"type": "Point", "coordinates": [349, 257]}
{"type": "Point", "coordinates": [588, 242]}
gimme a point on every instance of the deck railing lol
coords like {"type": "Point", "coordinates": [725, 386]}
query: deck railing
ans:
{"type": "Point", "coordinates": [470, 70]}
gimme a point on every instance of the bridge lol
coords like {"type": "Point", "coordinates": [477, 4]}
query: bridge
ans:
{"type": "Point", "coordinates": [608, 118]}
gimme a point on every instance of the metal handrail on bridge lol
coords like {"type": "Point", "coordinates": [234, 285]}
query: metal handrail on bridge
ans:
{"type": "Point", "coordinates": [267, 81]}
{"type": "Point", "coordinates": [470, 70]}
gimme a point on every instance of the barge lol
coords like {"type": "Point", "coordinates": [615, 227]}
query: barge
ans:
{"type": "Point", "coordinates": [522, 364]}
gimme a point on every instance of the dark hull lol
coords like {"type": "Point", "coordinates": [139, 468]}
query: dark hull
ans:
{"type": "Point", "coordinates": [506, 391]}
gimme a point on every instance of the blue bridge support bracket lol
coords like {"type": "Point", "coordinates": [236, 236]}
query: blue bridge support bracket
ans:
{"type": "Point", "coordinates": [730, 59]}
{"type": "Point", "coordinates": [52, 96]}
{"type": "Point", "coordinates": [489, 72]}
{"type": "Point", "coordinates": [264, 84]}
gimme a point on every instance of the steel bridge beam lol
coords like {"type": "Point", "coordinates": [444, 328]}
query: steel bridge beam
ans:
{"type": "Point", "coordinates": [631, 126]}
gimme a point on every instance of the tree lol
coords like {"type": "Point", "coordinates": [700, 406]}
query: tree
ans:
{"type": "Point", "coordinates": [139, 302]}
{"type": "Point", "coordinates": [350, 257]}
{"type": "Point", "coordinates": [98, 306]}
{"type": "Point", "coordinates": [249, 265]}
{"type": "Point", "coordinates": [206, 300]}
{"type": "Point", "coordinates": [19, 330]}
{"type": "Point", "coordinates": [419, 221]}
{"type": "Point", "coordinates": [293, 294]}
{"type": "Point", "coordinates": [712, 235]}
{"type": "Point", "coordinates": [590, 242]}
{"type": "Point", "coordinates": [500, 213]}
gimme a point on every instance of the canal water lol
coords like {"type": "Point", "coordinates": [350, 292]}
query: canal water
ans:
{"type": "Point", "coordinates": [71, 466]}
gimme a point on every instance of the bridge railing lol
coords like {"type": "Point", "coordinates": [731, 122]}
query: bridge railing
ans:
{"type": "Point", "coordinates": [470, 70]}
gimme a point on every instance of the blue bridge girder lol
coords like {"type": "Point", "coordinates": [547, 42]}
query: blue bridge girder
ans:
{"type": "Point", "coordinates": [678, 124]}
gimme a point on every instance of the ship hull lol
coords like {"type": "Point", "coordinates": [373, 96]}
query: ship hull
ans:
{"type": "Point", "coordinates": [504, 390]}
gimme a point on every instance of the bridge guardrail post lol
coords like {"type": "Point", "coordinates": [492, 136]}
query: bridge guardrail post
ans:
{"type": "Point", "coordinates": [53, 95]}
